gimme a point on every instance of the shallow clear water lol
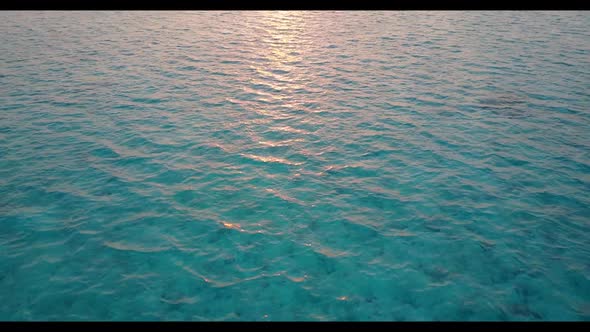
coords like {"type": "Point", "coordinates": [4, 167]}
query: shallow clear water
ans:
{"type": "Point", "coordinates": [295, 166]}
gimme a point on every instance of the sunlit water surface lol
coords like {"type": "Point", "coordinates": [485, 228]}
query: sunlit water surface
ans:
{"type": "Point", "coordinates": [294, 166]}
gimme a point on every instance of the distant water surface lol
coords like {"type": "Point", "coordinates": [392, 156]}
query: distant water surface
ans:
{"type": "Point", "coordinates": [294, 165]}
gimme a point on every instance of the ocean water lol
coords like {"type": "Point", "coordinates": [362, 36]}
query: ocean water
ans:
{"type": "Point", "coordinates": [294, 166]}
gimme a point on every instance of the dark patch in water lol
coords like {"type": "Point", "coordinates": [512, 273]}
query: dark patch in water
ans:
{"type": "Point", "coordinates": [506, 104]}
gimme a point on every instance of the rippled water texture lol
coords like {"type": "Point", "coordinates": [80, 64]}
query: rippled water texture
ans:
{"type": "Point", "coordinates": [295, 166]}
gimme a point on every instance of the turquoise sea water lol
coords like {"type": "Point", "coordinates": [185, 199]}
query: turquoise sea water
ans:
{"type": "Point", "coordinates": [294, 166]}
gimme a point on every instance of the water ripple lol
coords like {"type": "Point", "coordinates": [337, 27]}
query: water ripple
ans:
{"type": "Point", "coordinates": [294, 166]}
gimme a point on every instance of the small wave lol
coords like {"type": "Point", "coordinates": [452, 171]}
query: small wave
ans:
{"type": "Point", "coordinates": [284, 196]}
{"type": "Point", "coordinates": [281, 143]}
{"type": "Point", "coordinates": [291, 130]}
{"type": "Point", "coordinates": [269, 159]}
{"type": "Point", "coordinates": [182, 300]}
{"type": "Point", "coordinates": [129, 247]}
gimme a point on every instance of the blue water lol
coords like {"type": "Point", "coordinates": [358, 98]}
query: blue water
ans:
{"type": "Point", "coordinates": [294, 166]}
